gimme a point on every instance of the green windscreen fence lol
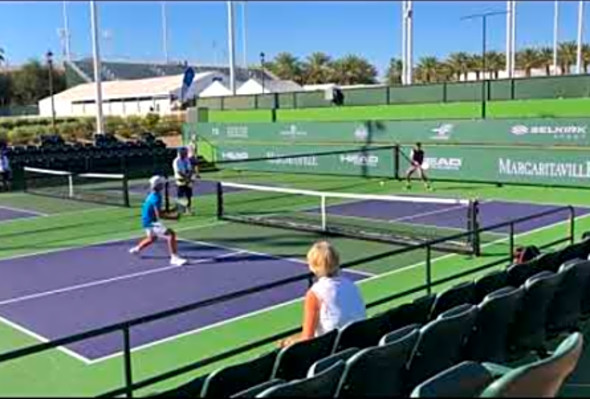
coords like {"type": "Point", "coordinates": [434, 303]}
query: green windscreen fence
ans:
{"type": "Point", "coordinates": [416, 94]}
{"type": "Point", "coordinates": [376, 96]}
{"type": "Point", "coordinates": [239, 102]}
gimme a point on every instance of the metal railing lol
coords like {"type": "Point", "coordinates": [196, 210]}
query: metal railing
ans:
{"type": "Point", "coordinates": [125, 327]}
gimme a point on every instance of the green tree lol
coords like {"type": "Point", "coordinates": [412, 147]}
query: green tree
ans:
{"type": "Point", "coordinates": [546, 59]}
{"type": "Point", "coordinates": [31, 83]}
{"type": "Point", "coordinates": [394, 72]}
{"type": "Point", "coordinates": [5, 89]}
{"type": "Point", "coordinates": [427, 69]}
{"type": "Point", "coordinates": [586, 56]}
{"type": "Point", "coordinates": [352, 69]}
{"type": "Point", "coordinates": [459, 63]}
{"type": "Point", "coordinates": [444, 72]}
{"type": "Point", "coordinates": [495, 62]}
{"type": "Point", "coordinates": [287, 67]}
{"type": "Point", "coordinates": [475, 65]}
{"type": "Point", "coordinates": [2, 56]}
{"type": "Point", "coordinates": [316, 69]}
{"type": "Point", "coordinates": [528, 59]}
{"type": "Point", "coordinates": [566, 56]}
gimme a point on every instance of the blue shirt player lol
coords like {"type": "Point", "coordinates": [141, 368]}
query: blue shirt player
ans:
{"type": "Point", "coordinates": [151, 212]}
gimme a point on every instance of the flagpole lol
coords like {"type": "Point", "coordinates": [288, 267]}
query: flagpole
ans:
{"type": "Point", "coordinates": [97, 67]}
{"type": "Point", "coordinates": [164, 32]}
{"type": "Point", "coordinates": [509, 38]}
{"type": "Point", "coordinates": [244, 41]}
{"type": "Point", "coordinates": [555, 34]}
{"type": "Point", "coordinates": [231, 45]}
{"type": "Point", "coordinates": [580, 29]}
{"type": "Point", "coordinates": [409, 48]}
{"type": "Point", "coordinates": [404, 43]}
{"type": "Point", "coordinates": [66, 31]}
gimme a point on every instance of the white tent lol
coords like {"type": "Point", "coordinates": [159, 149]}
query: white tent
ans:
{"type": "Point", "coordinates": [215, 89]}
{"type": "Point", "coordinates": [254, 86]}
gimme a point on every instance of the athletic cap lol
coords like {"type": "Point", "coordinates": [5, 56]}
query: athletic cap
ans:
{"type": "Point", "coordinates": [156, 181]}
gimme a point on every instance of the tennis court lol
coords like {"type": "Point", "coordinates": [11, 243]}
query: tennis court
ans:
{"type": "Point", "coordinates": [80, 281]}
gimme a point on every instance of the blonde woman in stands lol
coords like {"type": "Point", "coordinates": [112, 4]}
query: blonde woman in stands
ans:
{"type": "Point", "coordinates": [333, 301]}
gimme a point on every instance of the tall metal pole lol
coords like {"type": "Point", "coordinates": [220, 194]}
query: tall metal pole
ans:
{"type": "Point", "coordinates": [231, 45]}
{"type": "Point", "coordinates": [555, 34]}
{"type": "Point", "coordinates": [409, 35]}
{"type": "Point", "coordinates": [66, 31]}
{"type": "Point", "coordinates": [97, 67]}
{"type": "Point", "coordinates": [580, 29]}
{"type": "Point", "coordinates": [164, 32]}
{"type": "Point", "coordinates": [244, 39]}
{"type": "Point", "coordinates": [513, 37]}
{"type": "Point", "coordinates": [262, 69]}
{"type": "Point", "coordinates": [404, 42]}
{"type": "Point", "coordinates": [509, 38]}
{"type": "Point", "coordinates": [49, 57]}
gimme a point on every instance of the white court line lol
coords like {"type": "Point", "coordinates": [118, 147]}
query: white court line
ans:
{"type": "Point", "coordinates": [418, 215]}
{"type": "Point", "coordinates": [20, 210]}
{"type": "Point", "coordinates": [49, 215]}
{"type": "Point", "coordinates": [109, 280]}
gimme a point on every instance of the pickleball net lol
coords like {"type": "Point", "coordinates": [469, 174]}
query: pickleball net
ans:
{"type": "Point", "coordinates": [102, 188]}
{"type": "Point", "coordinates": [404, 220]}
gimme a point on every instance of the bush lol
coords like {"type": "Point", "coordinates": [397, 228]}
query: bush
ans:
{"type": "Point", "coordinates": [23, 135]}
{"type": "Point", "coordinates": [168, 126]}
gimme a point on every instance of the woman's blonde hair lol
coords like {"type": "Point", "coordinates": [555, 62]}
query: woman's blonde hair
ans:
{"type": "Point", "coordinates": [323, 259]}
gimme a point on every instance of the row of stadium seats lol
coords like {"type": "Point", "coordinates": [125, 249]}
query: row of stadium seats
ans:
{"type": "Point", "coordinates": [501, 317]}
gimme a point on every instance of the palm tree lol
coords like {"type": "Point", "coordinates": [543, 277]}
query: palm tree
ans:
{"type": "Point", "coordinates": [286, 66]}
{"type": "Point", "coordinates": [2, 57]}
{"type": "Point", "coordinates": [317, 68]}
{"type": "Point", "coordinates": [528, 59]}
{"type": "Point", "coordinates": [459, 63]}
{"type": "Point", "coordinates": [352, 69]}
{"type": "Point", "coordinates": [394, 72]}
{"type": "Point", "coordinates": [444, 72]}
{"type": "Point", "coordinates": [566, 56]}
{"type": "Point", "coordinates": [475, 65]}
{"type": "Point", "coordinates": [586, 56]}
{"type": "Point", "coordinates": [546, 59]}
{"type": "Point", "coordinates": [495, 62]}
{"type": "Point", "coordinates": [427, 70]}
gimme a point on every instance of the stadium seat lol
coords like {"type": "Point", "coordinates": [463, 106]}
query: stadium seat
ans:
{"type": "Point", "coordinates": [574, 251]}
{"type": "Point", "coordinates": [441, 343]}
{"type": "Point", "coordinates": [378, 371]}
{"type": "Point", "coordinates": [565, 309]}
{"type": "Point", "coordinates": [322, 385]}
{"type": "Point", "coordinates": [454, 296]}
{"type": "Point", "coordinates": [519, 273]}
{"type": "Point", "coordinates": [293, 361]}
{"type": "Point", "coordinates": [549, 261]}
{"type": "Point", "coordinates": [229, 380]}
{"type": "Point", "coordinates": [328, 361]}
{"type": "Point", "coordinates": [465, 380]}
{"type": "Point", "coordinates": [397, 334]}
{"type": "Point", "coordinates": [495, 315]}
{"type": "Point", "coordinates": [542, 378]}
{"type": "Point", "coordinates": [489, 283]}
{"type": "Point", "coordinates": [362, 333]}
{"type": "Point", "coordinates": [528, 331]}
{"type": "Point", "coordinates": [191, 389]}
{"type": "Point", "coordinates": [252, 392]}
{"type": "Point", "coordinates": [415, 312]}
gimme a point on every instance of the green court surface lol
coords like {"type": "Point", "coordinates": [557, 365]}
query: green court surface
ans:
{"type": "Point", "coordinates": [66, 224]}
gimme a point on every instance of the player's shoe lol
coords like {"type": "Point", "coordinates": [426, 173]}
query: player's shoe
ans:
{"type": "Point", "coordinates": [176, 260]}
{"type": "Point", "coordinates": [134, 251]}
{"type": "Point", "coordinates": [407, 187]}
{"type": "Point", "coordinates": [429, 187]}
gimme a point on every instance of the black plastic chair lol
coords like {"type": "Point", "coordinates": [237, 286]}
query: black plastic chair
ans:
{"type": "Point", "coordinates": [398, 334]}
{"type": "Point", "coordinates": [327, 362]}
{"type": "Point", "coordinates": [465, 380]}
{"type": "Point", "coordinates": [378, 371]}
{"type": "Point", "coordinates": [191, 389]}
{"type": "Point", "coordinates": [293, 361]}
{"type": "Point", "coordinates": [362, 333]}
{"type": "Point", "coordinates": [454, 296]}
{"type": "Point", "coordinates": [229, 380]}
{"type": "Point", "coordinates": [416, 312]}
{"type": "Point", "coordinates": [565, 309]}
{"type": "Point", "coordinates": [549, 261]}
{"type": "Point", "coordinates": [489, 283]}
{"type": "Point", "coordinates": [322, 385]}
{"type": "Point", "coordinates": [441, 343]}
{"type": "Point", "coordinates": [528, 330]}
{"type": "Point", "coordinates": [489, 339]}
{"type": "Point", "coordinates": [254, 391]}
{"type": "Point", "coordinates": [579, 250]}
{"type": "Point", "coordinates": [520, 272]}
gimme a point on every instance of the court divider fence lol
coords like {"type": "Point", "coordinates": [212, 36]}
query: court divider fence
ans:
{"type": "Point", "coordinates": [542, 87]}
{"type": "Point", "coordinates": [125, 327]}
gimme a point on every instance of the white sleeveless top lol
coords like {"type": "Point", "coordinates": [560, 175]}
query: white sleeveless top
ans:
{"type": "Point", "coordinates": [340, 303]}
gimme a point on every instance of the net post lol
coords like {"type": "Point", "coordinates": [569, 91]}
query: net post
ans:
{"type": "Point", "coordinates": [323, 211]}
{"type": "Point", "coordinates": [126, 191]}
{"type": "Point", "coordinates": [128, 366]}
{"type": "Point", "coordinates": [166, 194]}
{"type": "Point", "coordinates": [572, 224]}
{"type": "Point", "coordinates": [396, 150]}
{"type": "Point", "coordinates": [219, 201]}
{"type": "Point", "coordinates": [71, 186]}
{"type": "Point", "coordinates": [511, 254]}
{"type": "Point", "coordinates": [473, 226]}
{"type": "Point", "coordinates": [428, 270]}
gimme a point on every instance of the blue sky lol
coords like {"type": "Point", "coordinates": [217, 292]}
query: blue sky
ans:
{"type": "Point", "coordinates": [198, 30]}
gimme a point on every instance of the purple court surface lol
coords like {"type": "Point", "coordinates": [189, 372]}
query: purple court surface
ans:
{"type": "Point", "coordinates": [7, 213]}
{"type": "Point", "coordinates": [57, 294]}
{"type": "Point", "coordinates": [200, 187]}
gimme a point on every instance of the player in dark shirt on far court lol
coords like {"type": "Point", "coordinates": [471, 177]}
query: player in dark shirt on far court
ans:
{"type": "Point", "coordinates": [417, 164]}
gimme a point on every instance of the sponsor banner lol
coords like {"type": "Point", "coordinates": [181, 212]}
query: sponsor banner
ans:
{"type": "Point", "coordinates": [356, 163]}
{"type": "Point", "coordinates": [545, 132]}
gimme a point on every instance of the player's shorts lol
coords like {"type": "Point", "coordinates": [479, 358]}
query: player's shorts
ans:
{"type": "Point", "coordinates": [184, 191]}
{"type": "Point", "coordinates": [157, 230]}
{"type": "Point", "coordinates": [5, 175]}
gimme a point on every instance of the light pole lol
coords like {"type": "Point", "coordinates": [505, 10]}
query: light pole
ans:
{"type": "Point", "coordinates": [262, 69]}
{"type": "Point", "coordinates": [49, 57]}
{"type": "Point", "coordinates": [483, 17]}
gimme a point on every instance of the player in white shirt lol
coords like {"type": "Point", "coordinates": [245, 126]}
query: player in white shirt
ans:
{"type": "Point", "coordinates": [184, 174]}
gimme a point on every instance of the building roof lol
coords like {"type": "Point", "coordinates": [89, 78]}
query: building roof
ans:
{"type": "Point", "coordinates": [254, 86]}
{"type": "Point", "coordinates": [120, 89]}
{"type": "Point", "coordinates": [215, 89]}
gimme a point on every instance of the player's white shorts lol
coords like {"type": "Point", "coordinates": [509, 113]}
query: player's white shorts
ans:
{"type": "Point", "coordinates": [157, 230]}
